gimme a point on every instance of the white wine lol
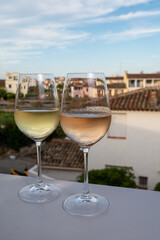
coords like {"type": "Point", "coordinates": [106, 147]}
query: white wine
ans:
{"type": "Point", "coordinates": [85, 128]}
{"type": "Point", "coordinates": [37, 124]}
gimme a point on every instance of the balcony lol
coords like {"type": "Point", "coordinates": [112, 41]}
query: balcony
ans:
{"type": "Point", "coordinates": [132, 214]}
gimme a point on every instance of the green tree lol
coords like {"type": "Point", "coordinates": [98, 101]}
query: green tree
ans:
{"type": "Point", "coordinates": [2, 93]}
{"type": "Point", "coordinates": [60, 90]}
{"type": "Point", "coordinates": [121, 177]}
{"type": "Point", "coordinates": [9, 96]}
{"type": "Point", "coordinates": [13, 137]}
{"type": "Point", "coordinates": [157, 187]}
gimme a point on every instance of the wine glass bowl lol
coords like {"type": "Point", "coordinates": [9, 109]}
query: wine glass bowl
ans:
{"type": "Point", "coordinates": [85, 119]}
{"type": "Point", "coordinates": [37, 116]}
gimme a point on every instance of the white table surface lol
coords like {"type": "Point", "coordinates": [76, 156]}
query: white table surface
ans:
{"type": "Point", "coordinates": [132, 215]}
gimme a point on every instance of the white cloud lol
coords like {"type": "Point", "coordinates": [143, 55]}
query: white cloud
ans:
{"type": "Point", "coordinates": [155, 56]}
{"type": "Point", "coordinates": [83, 9]}
{"type": "Point", "coordinates": [63, 9]}
{"type": "Point", "coordinates": [11, 62]}
{"type": "Point", "coordinates": [34, 26]}
{"type": "Point", "coordinates": [14, 21]}
{"type": "Point", "coordinates": [125, 17]}
{"type": "Point", "coordinates": [36, 39]}
{"type": "Point", "coordinates": [130, 34]}
{"type": "Point", "coordinates": [15, 56]}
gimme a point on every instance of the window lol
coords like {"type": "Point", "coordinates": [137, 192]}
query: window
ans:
{"type": "Point", "coordinates": [10, 77]}
{"type": "Point", "coordinates": [15, 78]}
{"type": "Point", "coordinates": [139, 83]}
{"type": "Point", "coordinates": [116, 92]}
{"type": "Point", "coordinates": [119, 91]}
{"type": "Point", "coordinates": [157, 82]}
{"type": "Point", "coordinates": [10, 86]}
{"type": "Point", "coordinates": [148, 82]}
{"type": "Point", "coordinates": [24, 87]}
{"type": "Point", "coordinates": [143, 182]}
{"type": "Point", "coordinates": [86, 89]}
{"type": "Point", "coordinates": [118, 126]}
{"type": "Point", "coordinates": [131, 83]}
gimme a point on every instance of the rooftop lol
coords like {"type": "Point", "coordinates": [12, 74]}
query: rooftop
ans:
{"type": "Point", "coordinates": [115, 78]}
{"type": "Point", "coordinates": [143, 75]}
{"type": "Point", "coordinates": [63, 153]}
{"type": "Point", "coordinates": [116, 85]}
{"type": "Point", "coordinates": [144, 99]}
{"type": "Point", "coordinates": [2, 83]}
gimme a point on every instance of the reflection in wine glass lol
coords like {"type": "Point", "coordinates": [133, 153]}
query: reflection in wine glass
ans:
{"type": "Point", "coordinates": [85, 118]}
{"type": "Point", "coordinates": [37, 116]}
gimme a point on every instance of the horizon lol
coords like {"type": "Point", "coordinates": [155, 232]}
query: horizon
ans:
{"type": "Point", "coordinates": [77, 36]}
{"type": "Point", "coordinates": [63, 76]}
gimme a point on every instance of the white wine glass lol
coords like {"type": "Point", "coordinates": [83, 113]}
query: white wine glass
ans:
{"type": "Point", "coordinates": [37, 116]}
{"type": "Point", "coordinates": [85, 118]}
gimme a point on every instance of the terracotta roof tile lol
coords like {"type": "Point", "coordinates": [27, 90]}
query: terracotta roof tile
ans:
{"type": "Point", "coordinates": [63, 153]}
{"type": "Point", "coordinates": [2, 83]}
{"type": "Point", "coordinates": [115, 78]}
{"type": "Point", "coordinates": [143, 75]}
{"type": "Point", "coordinates": [144, 99]}
{"type": "Point", "coordinates": [116, 85]}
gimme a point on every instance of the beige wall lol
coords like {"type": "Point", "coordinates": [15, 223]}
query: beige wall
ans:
{"type": "Point", "coordinates": [11, 82]}
{"type": "Point", "coordinates": [144, 82]}
{"type": "Point", "coordinates": [116, 91]}
{"type": "Point", "coordinates": [136, 145]}
{"type": "Point", "coordinates": [125, 79]}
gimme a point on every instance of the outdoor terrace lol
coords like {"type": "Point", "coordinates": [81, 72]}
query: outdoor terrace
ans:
{"type": "Point", "coordinates": [132, 214]}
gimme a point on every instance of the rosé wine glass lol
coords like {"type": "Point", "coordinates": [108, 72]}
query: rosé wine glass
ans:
{"type": "Point", "coordinates": [85, 118]}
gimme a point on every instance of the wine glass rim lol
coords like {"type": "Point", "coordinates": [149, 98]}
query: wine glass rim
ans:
{"type": "Point", "coordinates": [35, 74]}
{"type": "Point", "coordinates": [85, 73]}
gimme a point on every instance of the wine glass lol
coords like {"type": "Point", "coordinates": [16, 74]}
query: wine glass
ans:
{"type": "Point", "coordinates": [37, 116]}
{"type": "Point", "coordinates": [85, 118]}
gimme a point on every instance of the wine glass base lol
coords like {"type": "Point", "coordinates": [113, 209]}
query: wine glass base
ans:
{"type": "Point", "coordinates": [85, 205]}
{"type": "Point", "coordinates": [39, 193]}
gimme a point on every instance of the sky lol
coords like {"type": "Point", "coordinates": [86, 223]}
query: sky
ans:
{"type": "Point", "coordinates": [62, 36]}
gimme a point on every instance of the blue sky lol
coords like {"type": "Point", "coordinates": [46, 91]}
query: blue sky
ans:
{"type": "Point", "coordinates": [61, 36]}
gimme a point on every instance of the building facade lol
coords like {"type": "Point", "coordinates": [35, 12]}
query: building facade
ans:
{"type": "Point", "coordinates": [140, 80]}
{"type": "Point", "coordinates": [11, 82]}
{"type": "Point", "coordinates": [133, 138]}
{"type": "Point", "coordinates": [116, 85]}
{"type": "Point", "coordinates": [59, 80]}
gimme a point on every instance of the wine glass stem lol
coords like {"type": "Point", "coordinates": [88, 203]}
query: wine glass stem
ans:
{"type": "Point", "coordinates": [39, 180]}
{"type": "Point", "coordinates": [85, 188]}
